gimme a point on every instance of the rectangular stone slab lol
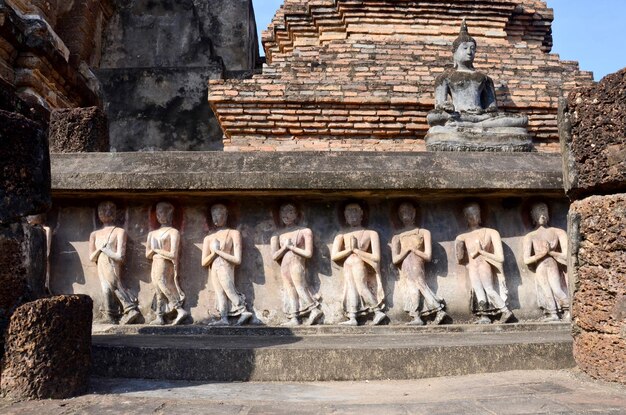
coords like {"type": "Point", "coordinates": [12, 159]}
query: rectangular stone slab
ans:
{"type": "Point", "coordinates": [210, 172]}
{"type": "Point", "coordinates": [329, 357]}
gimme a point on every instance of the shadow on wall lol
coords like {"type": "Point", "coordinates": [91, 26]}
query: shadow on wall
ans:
{"type": "Point", "coordinates": [235, 362]}
{"type": "Point", "coordinates": [69, 250]}
{"type": "Point", "coordinates": [438, 266]}
{"type": "Point", "coordinates": [513, 277]}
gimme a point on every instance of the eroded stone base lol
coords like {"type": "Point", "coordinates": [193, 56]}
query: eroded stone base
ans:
{"type": "Point", "coordinates": [22, 269]}
{"type": "Point", "coordinates": [601, 355]}
{"type": "Point", "coordinates": [48, 349]}
{"type": "Point", "coordinates": [477, 139]}
{"type": "Point", "coordinates": [599, 306]}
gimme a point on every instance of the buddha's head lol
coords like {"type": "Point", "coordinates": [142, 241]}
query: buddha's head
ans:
{"type": "Point", "coordinates": [472, 215]}
{"type": "Point", "coordinates": [464, 48]}
{"type": "Point", "coordinates": [539, 214]}
{"type": "Point", "coordinates": [406, 213]}
{"type": "Point", "coordinates": [219, 215]}
{"type": "Point", "coordinates": [164, 213]}
{"type": "Point", "coordinates": [107, 212]}
{"type": "Point", "coordinates": [353, 214]}
{"type": "Point", "coordinates": [288, 214]}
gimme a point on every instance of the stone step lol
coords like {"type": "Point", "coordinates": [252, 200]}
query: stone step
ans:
{"type": "Point", "coordinates": [327, 353]}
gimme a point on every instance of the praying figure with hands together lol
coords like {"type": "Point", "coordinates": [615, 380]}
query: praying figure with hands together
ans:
{"type": "Point", "coordinates": [545, 251]}
{"type": "Point", "coordinates": [480, 249]}
{"type": "Point", "coordinates": [163, 248]}
{"type": "Point", "coordinates": [358, 249]}
{"type": "Point", "coordinates": [291, 247]}
{"type": "Point", "coordinates": [107, 248]}
{"type": "Point", "coordinates": [221, 253]}
{"type": "Point", "coordinates": [411, 248]}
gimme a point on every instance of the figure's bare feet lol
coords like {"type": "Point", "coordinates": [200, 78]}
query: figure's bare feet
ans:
{"type": "Point", "coordinates": [484, 320]}
{"type": "Point", "coordinates": [181, 315]}
{"type": "Point", "coordinates": [243, 318]}
{"type": "Point", "coordinates": [506, 316]}
{"type": "Point", "coordinates": [550, 318]}
{"type": "Point", "coordinates": [417, 321]}
{"type": "Point", "coordinates": [379, 316]}
{"type": "Point", "coordinates": [567, 317]}
{"type": "Point", "coordinates": [292, 322]}
{"type": "Point", "coordinates": [350, 322]}
{"type": "Point", "coordinates": [441, 315]}
{"type": "Point", "coordinates": [158, 321]}
{"type": "Point", "coordinates": [219, 323]}
{"type": "Point", "coordinates": [130, 317]}
{"type": "Point", "coordinates": [314, 316]}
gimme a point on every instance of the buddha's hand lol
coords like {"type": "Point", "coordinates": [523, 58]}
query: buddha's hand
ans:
{"type": "Point", "coordinates": [543, 249]}
{"type": "Point", "coordinates": [355, 243]}
{"type": "Point", "coordinates": [475, 251]}
{"type": "Point", "coordinates": [446, 106]}
{"type": "Point", "coordinates": [491, 109]}
{"type": "Point", "coordinates": [420, 240]}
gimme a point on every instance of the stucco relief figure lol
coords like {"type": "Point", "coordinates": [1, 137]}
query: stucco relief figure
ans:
{"type": "Point", "coordinates": [411, 248]}
{"type": "Point", "coordinates": [480, 249]}
{"type": "Point", "coordinates": [163, 248]}
{"type": "Point", "coordinates": [40, 220]}
{"type": "Point", "coordinates": [291, 247]}
{"type": "Point", "coordinates": [545, 251]}
{"type": "Point", "coordinates": [466, 115]}
{"type": "Point", "coordinates": [107, 248]}
{"type": "Point", "coordinates": [358, 250]}
{"type": "Point", "coordinates": [221, 253]}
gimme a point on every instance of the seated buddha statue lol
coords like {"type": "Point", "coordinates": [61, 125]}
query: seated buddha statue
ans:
{"type": "Point", "coordinates": [466, 115]}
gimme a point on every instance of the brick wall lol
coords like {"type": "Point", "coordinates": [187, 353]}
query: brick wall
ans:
{"type": "Point", "coordinates": [359, 75]}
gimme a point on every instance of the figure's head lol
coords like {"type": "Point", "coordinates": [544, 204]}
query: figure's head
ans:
{"type": "Point", "coordinates": [165, 213]}
{"type": "Point", "coordinates": [464, 47]}
{"type": "Point", "coordinates": [472, 214]}
{"type": "Point", "coordinates": [288, 214]}
{"type": "Point", "coordinates": [219, 214]}
{"type": "Point", "coordinates": [539, 213]}
{"type": "Point", "coordinates": [107, 212]}
{"type": "Point", "coordinates": [407, 213]}
{"type": "Point", "coordinates": [353, 213]}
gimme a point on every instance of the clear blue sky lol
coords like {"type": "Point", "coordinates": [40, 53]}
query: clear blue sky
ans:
{"type": "Point", "coordinates": [588, 31]}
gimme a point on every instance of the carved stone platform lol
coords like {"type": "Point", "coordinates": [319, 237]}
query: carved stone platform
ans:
{"type": "Point", "coordinates": [326, 353]}
{"type": "Point", "coordinates": [477, 139]}
{"type": "Point", "coordinates": [320, 181]}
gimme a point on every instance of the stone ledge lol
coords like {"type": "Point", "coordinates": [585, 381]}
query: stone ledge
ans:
{"type": "Point", "coordinates": [325, 329]}
{"type": "Point", "coordinates": [328, 357]}
{"type": "Point", "coordinates": [218, 172]}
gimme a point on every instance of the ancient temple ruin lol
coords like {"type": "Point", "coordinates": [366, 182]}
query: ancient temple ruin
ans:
{"type": "Point", "coordinates": [301, 193]}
